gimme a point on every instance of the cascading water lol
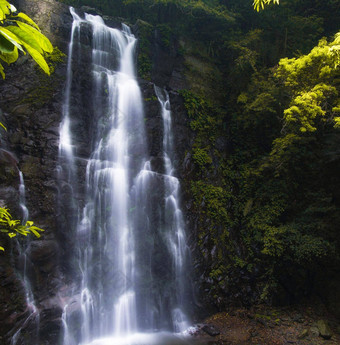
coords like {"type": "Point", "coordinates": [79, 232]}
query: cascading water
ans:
{"type": "Point", "coordinates": [130, 244]}
{"type": "Point", "coordinates": [174, 217]}
{"type": "Point", "coordinates": [22, 198]}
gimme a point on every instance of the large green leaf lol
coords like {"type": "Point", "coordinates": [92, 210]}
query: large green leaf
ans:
{"type": "Point", "coordinates": [6, 46]}
{"type": "Point", "coordinates": [11, 37]}
{"type": "Point", "coordinates": [26, 37]}
{"type": "Point", "coordinates": [38, 58]}
{"type": "Point", "coordinates": [4, 9]}
{"type": "Point", "coordinates": [10, 57]}
{"type": "Point", "coordinates": [27, 19]}
{"type": "Point", "coordinates": [43, 41]}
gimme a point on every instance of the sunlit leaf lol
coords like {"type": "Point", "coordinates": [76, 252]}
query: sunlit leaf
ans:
{"type": "Point", "coordinates": [1, 125]}
{"type": "Point", "coordinates": [27, 37]}
{"type": "Point", "coordinates": [6, 46]}
{"type": "Point", "coordinates": [43, 41]}
{"type": "Point", "coordinates": [4, 9]}
{"type": "Point", "coordinates": [38, 58]}
{"type": "Point", "coordinates": [10, 57]}
{"type": "Point", "coordinates": [260, 4]}
{"type": "Point", "coordinates": [27, 19]}
{"type": "Point", "coordinates": [36, 233]}
{"type": "Point", "coordinates": [11, 37]}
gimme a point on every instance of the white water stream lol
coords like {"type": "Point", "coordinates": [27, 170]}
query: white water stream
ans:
{"type": "Point", "coordinates": [130, 247]}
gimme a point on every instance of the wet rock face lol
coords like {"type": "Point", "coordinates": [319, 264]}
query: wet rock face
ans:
{"type": "Point", "coordinates": [31, 104]}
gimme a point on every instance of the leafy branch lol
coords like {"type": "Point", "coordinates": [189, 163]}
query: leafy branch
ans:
{"type": "Point", "coordinates": [19, 32]}
{"type": "Point", "coordinates": [14, 227]}
{"type": "Point", "coordinates": [260, 4]}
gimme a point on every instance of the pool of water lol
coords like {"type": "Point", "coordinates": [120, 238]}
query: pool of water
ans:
{"type": "Point", "coordinates": [162, 338]}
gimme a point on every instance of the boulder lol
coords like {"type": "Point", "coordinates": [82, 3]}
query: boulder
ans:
{"type": "Point", "coordinates": [210, 329]}
{"type": "Point", "coordinates": [324, 329]}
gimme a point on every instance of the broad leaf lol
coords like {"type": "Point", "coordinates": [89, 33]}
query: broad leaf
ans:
{"type": "Point", "coordinates": [4, 9]}
{"type": "Point", "coordinates": [6, 46]}
{"type": "Point", "coordinates": [10, 57]}
{"type": "Point", "coordinates": [38, 58]}
{"type": "Point", "coordinates": [11, 37]}
{"type": "Point", "coordinates": [27, 19]}
{"type": "Point", "coordinates": [42, 40]}
{"type": "Point", "coordinates": [26, 37]}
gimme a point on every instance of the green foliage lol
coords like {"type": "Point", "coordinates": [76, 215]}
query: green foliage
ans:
{"type": "Point", "coordinates": [144, 63]}
{"type": "Point", "coordinates": [267, 207]}
{"type": "Point", "coordinates": [266, 200]}
{"type": "Point", "coordinates": [14, 227]}
{"type": "Point", "coordinates": [260, 4]}
{"type": "Point", "coordinates": [20, 32]}
{"type": "Point", "coordinates": [202, 157]}
{"type": "Point", "coordinates": [311, 81]}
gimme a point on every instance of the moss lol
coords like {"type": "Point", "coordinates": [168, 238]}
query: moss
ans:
{"type": "Point", "coordinates": [144, 62]}
{"type": "Point", "coordinates": [44, 89]}
{"type": "Point", "coordinates": [55, 58]}
{"type": "Point", "coordinates": [151, 99]}
{"type": "Point", "coordinates": [201, 157]}
{"type": "Point", "coordinates": [165, 33]}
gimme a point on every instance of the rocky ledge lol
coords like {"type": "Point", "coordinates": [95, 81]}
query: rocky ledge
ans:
{"type": "Point", "coordinates": [263, 325]}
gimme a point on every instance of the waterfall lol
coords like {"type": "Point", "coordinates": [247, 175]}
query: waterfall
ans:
{"type": "Point", "coordinates": [22, 198]}
{"type": "Point", "coordinates": [174, 217]}
{"type": "Point", "coordinates": [130, 250]}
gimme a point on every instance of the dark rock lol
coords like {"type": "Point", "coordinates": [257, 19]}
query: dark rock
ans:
{"type": "Point", "coordinates": [324, 329]}
{"type": "Point", "coordinates": [210, 329]}
{"type": "Point", "coordinates": [314, 331]}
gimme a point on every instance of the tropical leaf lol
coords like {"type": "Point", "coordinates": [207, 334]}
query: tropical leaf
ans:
{"type": "Point", "coordinates": [10, 57]}
{"type": "Point", "coordinates": [4, 9]}
{"type": "Point", "coordinates": [11, 37]}
{"type": "Point", "coordinates": [26, 37]}
{"type": "Point", "coordinates": [38, 58]}
{"type": "Point", "coordinates": [43, 41]}
{"type": "Point", "coordinates": [27, 19]}
{"type": "Point", "coordinates": [5, 45]}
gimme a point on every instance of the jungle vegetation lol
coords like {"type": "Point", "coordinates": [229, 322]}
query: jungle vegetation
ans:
{"type": "Point", "coordinates": [266, 155]}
